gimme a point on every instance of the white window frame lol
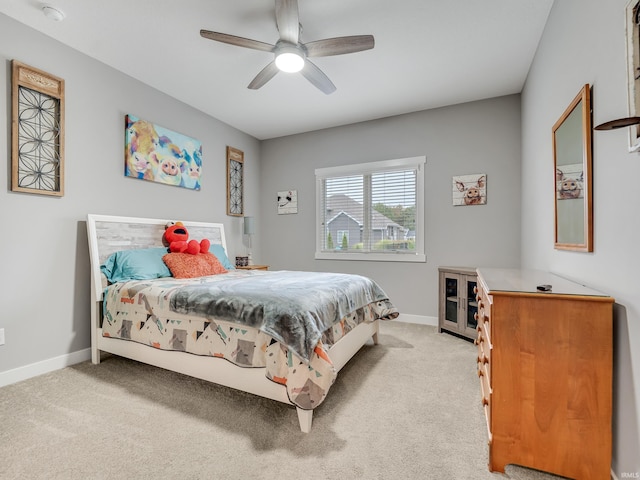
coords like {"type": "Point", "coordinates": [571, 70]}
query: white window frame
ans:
{"type": "Point", "coordinates": [417, 163]}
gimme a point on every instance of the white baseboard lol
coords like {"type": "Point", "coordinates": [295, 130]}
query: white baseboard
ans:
{"type": "Point", "coordinates": [45, 366]}
{"type": "Point", "coordinates": [420, 319]}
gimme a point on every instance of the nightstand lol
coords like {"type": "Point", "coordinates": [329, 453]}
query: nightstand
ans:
{"type": "Point", "coordinates": [254, 267]}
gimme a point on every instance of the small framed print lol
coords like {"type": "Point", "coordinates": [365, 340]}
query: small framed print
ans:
{"type": "Point", "coordinates": [470, 189]}
{"type": "Point", "coordinates": [235, 182]}
{"type": "Point", "coordinates": [287, 202]}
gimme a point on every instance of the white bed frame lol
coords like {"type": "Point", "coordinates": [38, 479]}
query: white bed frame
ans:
{"type": "Point", "coordinates": [108, 234]}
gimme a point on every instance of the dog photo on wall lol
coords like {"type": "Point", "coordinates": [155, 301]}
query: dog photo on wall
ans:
{"type": "Point", "coordinates": [470, 189]}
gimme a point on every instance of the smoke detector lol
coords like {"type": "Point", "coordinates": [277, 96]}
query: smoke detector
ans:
{"type": "Point", "coordinates": [53, 13]}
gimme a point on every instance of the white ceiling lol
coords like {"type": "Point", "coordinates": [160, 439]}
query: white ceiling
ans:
{"type": "Point", "coordinates": [428, 53]}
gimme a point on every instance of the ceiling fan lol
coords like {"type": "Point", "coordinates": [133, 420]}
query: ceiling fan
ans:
{"type": "Point", "coordinates": [290, 55]}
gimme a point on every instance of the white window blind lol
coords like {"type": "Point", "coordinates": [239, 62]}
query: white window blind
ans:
{"type": "Point", "coordinates": [371, 211]}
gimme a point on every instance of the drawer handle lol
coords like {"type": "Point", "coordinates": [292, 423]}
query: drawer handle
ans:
{"type": "Point", "coordinates": [480, 373]}
{"type": "Point", "coordinates": [478, 340]}
{"type": "Point", "coordinates": [475, 316]}
{"type": "Point", "coordinates": [485, 402]}
{"type": "Point", "coordinates": [478, 298]}
{"type": "Point", "coordinates": [482, 359]}
{"type": "Point", "coordinates": [485, 318]}
{"type": "Point", "coordinates": [480, 304]}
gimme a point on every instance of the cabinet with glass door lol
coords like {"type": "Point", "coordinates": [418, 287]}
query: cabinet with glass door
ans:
{"type": "Point", "coordinates": [458, 307]}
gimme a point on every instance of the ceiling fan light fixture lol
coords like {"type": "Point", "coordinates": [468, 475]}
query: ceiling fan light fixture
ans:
{"type": "Point", "coordinates": [289, 54]}
{"type": "Point", "coordinates": [289, 59]}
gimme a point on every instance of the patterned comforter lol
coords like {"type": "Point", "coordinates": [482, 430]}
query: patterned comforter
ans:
{"type": "Point", "coordinates": [284, 321]}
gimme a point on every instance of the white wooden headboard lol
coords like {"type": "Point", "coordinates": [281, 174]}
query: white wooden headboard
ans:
{"type": "Point", "coordinates": [108, 234]}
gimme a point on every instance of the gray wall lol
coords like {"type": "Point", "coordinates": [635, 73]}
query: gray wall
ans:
{"type": "Point", "coordinates": [584, 42]}
{"type": "Point", "coordinates": [44, 278]}
{"type": "Point", "coordinates": [46, 261]}
{"type": "Point", "coordinates": [479, 137]}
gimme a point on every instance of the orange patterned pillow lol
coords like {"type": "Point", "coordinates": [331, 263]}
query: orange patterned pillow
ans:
{"type": "Point", "coordinates": [185, 265]}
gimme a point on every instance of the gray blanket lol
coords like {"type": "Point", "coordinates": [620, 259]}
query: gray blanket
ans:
{"type": "Point", "coordinates": [292, 307]}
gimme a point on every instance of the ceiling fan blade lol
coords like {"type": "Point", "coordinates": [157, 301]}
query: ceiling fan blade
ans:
{"type": "Point", "coordinates": [266, 74]}
{"type": "Point", "coordinates": [312, 73]}
{"type": "Point", "coordinates": [288, 20]}
{"type": "Point", "coordinates": [339, 45]}
{"type": "Point", "coordinates": [238, 41]}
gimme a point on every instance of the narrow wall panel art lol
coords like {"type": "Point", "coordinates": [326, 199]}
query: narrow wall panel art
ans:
{"type": "Point", "coordinates": [160, 155]}
{"type": "Point", "coordinates": [37, 131]}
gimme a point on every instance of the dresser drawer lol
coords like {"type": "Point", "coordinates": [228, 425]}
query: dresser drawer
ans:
{"type": "Point", "coordinates": [486, 393]}
{"type": "Point", "coordinates": [483, 342]}
{"type": "Point", "coordinates": [484, 359]}
{"type": "Point", "coordinates": [484, 348]}
{"type": "Point", "coordinates": [484, 305]}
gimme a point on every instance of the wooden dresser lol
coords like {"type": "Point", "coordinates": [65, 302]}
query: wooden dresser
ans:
{"type": "Point", "coordinates": [545, 369]}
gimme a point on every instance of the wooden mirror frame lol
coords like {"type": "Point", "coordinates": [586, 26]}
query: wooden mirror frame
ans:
{"type": "Point", "coordinates": [575, 143]}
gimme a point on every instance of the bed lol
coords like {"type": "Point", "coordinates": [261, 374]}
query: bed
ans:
{"type": "Point", "coordinates": [255, 331]}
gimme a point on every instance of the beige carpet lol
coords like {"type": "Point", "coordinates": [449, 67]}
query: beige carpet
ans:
{"type": "Point", "coordinates": [408, 408]}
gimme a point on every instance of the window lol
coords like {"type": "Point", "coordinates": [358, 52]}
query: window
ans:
{"type": "Point", "coordinates": [371, 211]}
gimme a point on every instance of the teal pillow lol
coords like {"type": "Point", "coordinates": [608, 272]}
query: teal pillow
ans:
{"type": "Point", "coordinates": [218, 251]}
{"type": "Point", "coordinates": [138, 264]}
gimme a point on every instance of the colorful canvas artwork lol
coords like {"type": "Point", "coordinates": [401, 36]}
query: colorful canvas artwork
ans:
{"type": "Point", "coordinates": [160, 155]}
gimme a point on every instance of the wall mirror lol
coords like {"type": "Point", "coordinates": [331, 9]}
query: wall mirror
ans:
{"type": "Point", "coordinates": [572, 162]}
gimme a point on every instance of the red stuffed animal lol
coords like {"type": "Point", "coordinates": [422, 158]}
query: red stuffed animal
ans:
{"type": "Point", "coordinates": [177, 238]}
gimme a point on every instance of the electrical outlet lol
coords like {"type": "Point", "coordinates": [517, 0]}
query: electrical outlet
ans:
{"type": "Point", "coordinates": [1, 336]}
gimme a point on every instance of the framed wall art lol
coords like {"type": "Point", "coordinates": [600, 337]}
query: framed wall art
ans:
{"type": "Point", "coordinates": [632, 14]}
{"type": "Point", "coordinates": [470, 189]}
{"type": "Point", "coordinates": [160, 155]}
{"type": "Point", "coordinates": [235, 182]}
{"type": "Point", "coordinates": [37, 131]}
{"type": "Point", "coordinates": [287, 202]}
